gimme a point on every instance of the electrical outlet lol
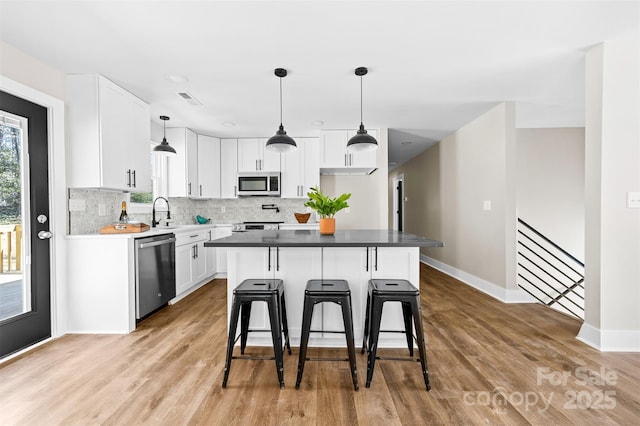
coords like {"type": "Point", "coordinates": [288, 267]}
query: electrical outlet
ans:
{"type": "Point", "coordinates": [633, 200]}
{"type": "Point", "coordinates": [223, 209]}
{"type": "Point", "coordinates": [486, 205]}
{"type": "Point", "coordinates": [102, 210]}
{"type": "Point", "coordinates": [77, 205]}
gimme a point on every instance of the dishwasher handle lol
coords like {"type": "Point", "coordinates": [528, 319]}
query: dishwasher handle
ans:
{"type": "Point", "coordinates": [157, 243]}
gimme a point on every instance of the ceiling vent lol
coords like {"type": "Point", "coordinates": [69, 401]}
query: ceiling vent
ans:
{"type": "Point", "coordinates": [189, 98]}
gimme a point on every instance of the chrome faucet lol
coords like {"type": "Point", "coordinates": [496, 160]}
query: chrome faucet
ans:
{"type": "Point", "coordinates": [153, 212]}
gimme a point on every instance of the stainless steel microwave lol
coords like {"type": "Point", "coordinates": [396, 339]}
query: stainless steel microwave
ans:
{"type": "Point", "coordinates": [259, 184]}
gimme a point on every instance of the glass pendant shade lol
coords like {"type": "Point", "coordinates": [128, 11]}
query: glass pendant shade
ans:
{"type": "Point", "coordinates": [281, 142]}
{"type": "Point", "coordinates": [164, 148]}
{"type": "Point", "coordinates": [362, 141]}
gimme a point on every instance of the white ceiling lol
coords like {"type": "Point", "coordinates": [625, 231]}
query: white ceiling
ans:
{"type": "Point", "coordinates": [433, 65]}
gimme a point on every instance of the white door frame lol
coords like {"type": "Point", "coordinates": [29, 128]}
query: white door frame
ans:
{"type": "Point", "coordinates": [397, 200]}
{"type": "Point", "coordinates": [57, 201]}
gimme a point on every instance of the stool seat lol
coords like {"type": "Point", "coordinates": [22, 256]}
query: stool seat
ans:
{"type": "Point", "coordinates": [393, 287]}
{"type": "Point", "coordinates": [248, 291]}
{"type": "Point", "coordinates": [381, 291]}
{"type": "Point", "coordinates": [326, 287]}
{"type": "Point", "coordinates": [322, 291]}
{"type": "Point", "coordinates": [258, 287]}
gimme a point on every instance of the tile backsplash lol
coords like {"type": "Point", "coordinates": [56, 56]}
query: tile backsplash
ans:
{"type": "Point", "coordinates": [183, 210]}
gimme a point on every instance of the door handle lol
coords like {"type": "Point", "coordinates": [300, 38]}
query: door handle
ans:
{"type": "Point", "coordinates": [44, 235]}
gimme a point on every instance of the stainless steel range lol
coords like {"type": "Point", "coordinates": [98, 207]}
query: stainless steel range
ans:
{"type": "Point", "coordinates": [255, 226]}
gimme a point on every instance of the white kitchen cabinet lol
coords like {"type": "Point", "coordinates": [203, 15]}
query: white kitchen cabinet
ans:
{"type": "Point", "coordinates": [300, 168]}
{"type": "Point", "coordinates": [221, 252]}
{"type": "Point", "coordinates": [100, 285]}
{"type": "Point", "coordinates": [190, 260]}
{"type": "Point", "coordinates": [228, 168]}
{"type": "Point", "coordinates": [208, 167]}
{"type": "Point", "coordinates": [108, 136]}
{"type": "Point", "coordinates": [350, 264]}
{"type": "Point", "coordinates": [335, 158]}
{"type": "Point", "coordinates": [182, 171]}
{"type": "Point", "coordinates": [254, 157]}
{"type": "Point", "coordinates": [211, 254]}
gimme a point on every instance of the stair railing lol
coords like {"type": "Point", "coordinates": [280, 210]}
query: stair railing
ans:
{"type": "Point", "coordinates": [548, 272]}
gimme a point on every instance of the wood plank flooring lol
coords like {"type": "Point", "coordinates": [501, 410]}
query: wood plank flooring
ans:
{"type": "Point", "coordinates": [490, 363]}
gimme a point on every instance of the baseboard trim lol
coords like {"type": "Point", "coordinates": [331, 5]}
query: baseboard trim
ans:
{"type": "Point", "coordinates": [502, 294]}
{"type": "Point", "coordinates": [610, 340]}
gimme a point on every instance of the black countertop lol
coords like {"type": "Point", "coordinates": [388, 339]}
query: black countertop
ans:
{"type": "Point", "coordinates": [312, 238]}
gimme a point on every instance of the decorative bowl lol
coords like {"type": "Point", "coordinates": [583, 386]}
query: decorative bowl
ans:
{"type": "Point", "coordinates": [302, 217]}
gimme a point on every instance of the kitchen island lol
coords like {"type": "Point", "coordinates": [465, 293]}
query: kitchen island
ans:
{"type": "Point", "coordinates": [296, 256]}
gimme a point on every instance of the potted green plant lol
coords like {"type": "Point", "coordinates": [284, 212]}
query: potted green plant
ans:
{"type": "Point", "coordinates": [326, 207]}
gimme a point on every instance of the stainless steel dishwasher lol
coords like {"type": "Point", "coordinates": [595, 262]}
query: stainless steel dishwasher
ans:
{"type": "Point", "coordinates": [155, 272]}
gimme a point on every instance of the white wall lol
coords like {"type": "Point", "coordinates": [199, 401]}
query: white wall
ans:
{"type": "Point", "coordinates": [474, 169]}
{"type": "Point", "coordinates": [550, 184]}
{"type": "Point", "coordinates": [612, 157]}
{"type": "Point", "coordinates": [368, 203]}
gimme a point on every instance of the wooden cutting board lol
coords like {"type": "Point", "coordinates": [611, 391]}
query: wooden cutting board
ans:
{"type": "Point", "coordinates": [124, 228]}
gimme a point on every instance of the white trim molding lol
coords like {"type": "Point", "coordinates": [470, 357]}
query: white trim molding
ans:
{"type": "Point", "coordinates": [610, 340]}
{"type": "Point", "coordinates": [500, 293]}
{"type": "Point", "coordinates": [57, 199]}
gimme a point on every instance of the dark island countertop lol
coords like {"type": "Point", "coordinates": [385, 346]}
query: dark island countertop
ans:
{"type": "Point", "coordinates": [312, 238]}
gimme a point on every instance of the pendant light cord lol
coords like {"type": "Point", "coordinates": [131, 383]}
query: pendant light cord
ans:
{"type": "Point", "coordinates": [280, 101]}
{"type": "Point", "coordinates": [361, 121]}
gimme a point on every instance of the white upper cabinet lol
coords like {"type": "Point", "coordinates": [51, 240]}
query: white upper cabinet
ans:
{"type": "Point", "coordinates": [208, 167]}
{"type": "Point", "coordinates": [228, 168]}
{"type": "Point", "coordinates": [182, 173]}
{"type": "Point", "coordinates": [301, 168]}
{"type": "Point", "coordinates": [108, 136]}
{"type": "Point", "coordinates": [254, 157]}
{"type": "Point", "coordinates": [335, 158]}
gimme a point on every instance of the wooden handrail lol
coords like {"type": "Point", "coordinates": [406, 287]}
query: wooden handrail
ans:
{"type": "Point", "coordinates": [13, 233]}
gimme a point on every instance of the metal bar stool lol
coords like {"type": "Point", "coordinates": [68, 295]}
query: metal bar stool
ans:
{"type": "Point", "coordinates": [379, 292]}
{"type": "Point", "coordinates": [319, 291]}
{"type": "Point", "coordinates": [255, 290]}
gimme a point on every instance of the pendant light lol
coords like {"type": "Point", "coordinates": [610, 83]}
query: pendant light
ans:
{"type": "Point", "coordinates": [164, 148]}
{"type": "Point", "coordinates": [281, 142]}
{"type": "Point", "coordinates": [362, 141]}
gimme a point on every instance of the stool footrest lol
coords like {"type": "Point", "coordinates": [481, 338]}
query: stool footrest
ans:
{"type": "Point", "coordinates": [253, 357]}
{"type": "Point", "coordinates": [326, 331]}
{"type": "Point", "coordinates": [326, 359]}
{"type": "Point", "coordinates": [395, 358]}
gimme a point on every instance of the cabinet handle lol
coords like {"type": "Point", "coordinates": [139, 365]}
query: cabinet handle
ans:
{"type": "Point", "coordinates": [367, 267]}
{"type": "Point", "coordinates": [193, 252]}
{"type": "Point", "coordinates": [277, 258]}
{"type": "Point", "coordinates": [376, 265]}
{"type": "Point", "coordinates": [257, 168]}
{"type": "Point", "coordinates": [269, 259]}
{"type": "Point", "coordinates": [129, 177]}
{"type": "Point", "coordinates": [345, 159]}
{"type": "Point", "coordinates": [201, 190]}
{"type": "Point", "coordinates": [235, 191]}
{"type": "Point", "coordinates": [134, 178]}
{"type": "Point", "coordinates": [189, 188]}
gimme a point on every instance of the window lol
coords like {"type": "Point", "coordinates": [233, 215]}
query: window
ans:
{"type": "Point", "coordinates": [141, 202]}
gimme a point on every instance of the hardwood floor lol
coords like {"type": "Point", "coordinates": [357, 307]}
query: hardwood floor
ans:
{"type": "Point", "coordinates": [490, 363]}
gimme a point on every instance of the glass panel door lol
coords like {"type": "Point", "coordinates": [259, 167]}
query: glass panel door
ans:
{"type": "Point", "coordinates": [15, 297]}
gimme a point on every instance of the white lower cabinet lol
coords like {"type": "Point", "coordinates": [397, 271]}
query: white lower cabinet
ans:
{"type": "Point", "coordinates": [296, 265]}
{"type": "Point", "coordinates": [190, 260]}
{"type": "Point", "coordinates": [221, 252]}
